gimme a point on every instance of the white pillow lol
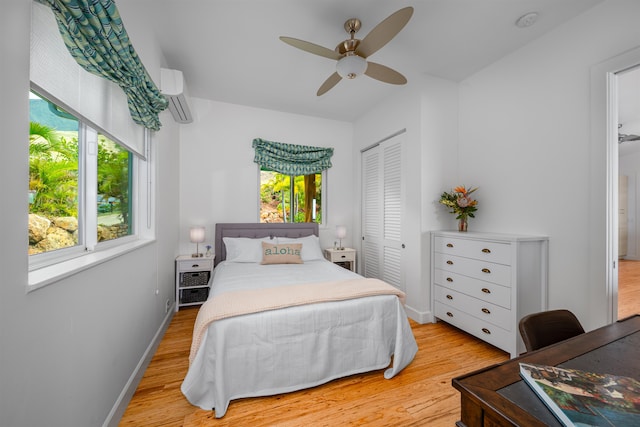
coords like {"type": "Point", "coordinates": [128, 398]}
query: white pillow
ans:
{"type": "Point", "coordinates": [244, 249]}
{"type": "Point", "coordinates": [310, 246]}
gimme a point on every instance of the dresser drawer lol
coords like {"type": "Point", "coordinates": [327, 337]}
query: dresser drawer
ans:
{"type": "Point", "coordinates": [486, 291]}
{"type": "Point", "coordinates": [483, 310]}
{"type": "Point", "coordinates": [488, 251]}
{"type": "Point", "coordinates": [198, 264]}
{"type": "Point", "coordinates": [483, 270]}
{"type": "Point", "coordinates": [486, 331]}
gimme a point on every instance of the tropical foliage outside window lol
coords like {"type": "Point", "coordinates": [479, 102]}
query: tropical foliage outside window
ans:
{"type": "Point", "coordinates": [114, 189]}
{"type": "Point", "coordinates": [56, 178]}
{"type": "Point", "coordinates": [285, 198]}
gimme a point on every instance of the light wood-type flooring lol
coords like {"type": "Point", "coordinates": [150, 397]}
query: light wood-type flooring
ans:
{"type": "Point", "coordinates": [421, 395]}
{"type": "Point", "coordinates": [628, 288]}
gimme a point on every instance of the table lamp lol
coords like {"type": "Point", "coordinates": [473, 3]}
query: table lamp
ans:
{"type": "Point", "coordinates": [196, 235]}
{"type": "Point", "coordinates": [341, 232]}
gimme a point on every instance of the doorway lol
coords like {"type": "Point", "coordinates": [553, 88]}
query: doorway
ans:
{"type": "Point", "coordinates": [603, 208]}
{"type": "Point", "coordinates": [628, 123]}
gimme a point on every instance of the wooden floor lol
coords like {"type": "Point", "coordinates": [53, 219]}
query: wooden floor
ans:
{"type": "Point", "coordinates": [628, 288]}
{"type": "Point", "coordinates": [420, 395]}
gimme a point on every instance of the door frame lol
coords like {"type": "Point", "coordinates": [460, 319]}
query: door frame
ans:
{"type": "Point", "coordinates": [604, 127]}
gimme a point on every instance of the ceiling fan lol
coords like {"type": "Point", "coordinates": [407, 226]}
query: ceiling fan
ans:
{"type": "Point", "coordinates": [352, 53]}
{"type": "Point", "coordinates": [626, 138]}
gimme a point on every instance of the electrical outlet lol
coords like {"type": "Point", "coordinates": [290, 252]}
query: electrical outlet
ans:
{"type": "Point", "coordinates": [168, 306]}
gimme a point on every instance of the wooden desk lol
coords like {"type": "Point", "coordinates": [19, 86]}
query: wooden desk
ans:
{"type": "Point", "coordinates": [497, 396]}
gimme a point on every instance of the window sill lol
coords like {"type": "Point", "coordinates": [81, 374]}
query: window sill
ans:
{"type": "Point", "coordinates": [53, 273]}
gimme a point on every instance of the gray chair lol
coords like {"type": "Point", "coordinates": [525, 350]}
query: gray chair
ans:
{"type": "Point", "coordinates": [539, 330]}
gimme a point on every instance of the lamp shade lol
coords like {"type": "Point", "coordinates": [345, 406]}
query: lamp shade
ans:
{"type": "Point", "coordinates": [350, 67]}
{"type": "Point", "coordinates": [196, 234]}
{"type": "Point", "coordinates": [341, 231]}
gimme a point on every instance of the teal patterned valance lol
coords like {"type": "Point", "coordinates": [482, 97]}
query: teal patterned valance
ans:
{"type": "Point", "coordinates": [96, 38]}
{"type": "Point", "coordinates": [291, 159]}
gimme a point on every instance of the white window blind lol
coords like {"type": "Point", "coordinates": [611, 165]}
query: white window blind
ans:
{"type": "Point", "coordinates": [56, 73]}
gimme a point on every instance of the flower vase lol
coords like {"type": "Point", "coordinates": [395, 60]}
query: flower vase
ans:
{"type": "Point", "coordinates": [462, 224]}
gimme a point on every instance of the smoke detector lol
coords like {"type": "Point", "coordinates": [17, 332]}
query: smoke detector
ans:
{"type": "Point", "coordinates": [527, 20]}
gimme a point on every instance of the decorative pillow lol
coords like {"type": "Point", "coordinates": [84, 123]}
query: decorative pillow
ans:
{"type": "Point", "coordinates": [310, 246]}
{"type": "Point", "coordinates": [288, 253]}
{"type": "Point", "coordinates": [244, 249]}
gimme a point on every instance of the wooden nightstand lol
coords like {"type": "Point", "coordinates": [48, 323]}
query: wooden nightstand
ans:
{"type": "Point", "coordinates": [344, 257]}
{"type": "Point", "coordinates": [192, 280]}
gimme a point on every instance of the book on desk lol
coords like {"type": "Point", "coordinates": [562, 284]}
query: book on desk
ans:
{"type": "Point", "coordinates": [579, 398]}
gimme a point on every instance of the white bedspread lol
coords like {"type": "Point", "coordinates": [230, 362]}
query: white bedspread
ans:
{"type": "Point", "coordinates": [298, 347]}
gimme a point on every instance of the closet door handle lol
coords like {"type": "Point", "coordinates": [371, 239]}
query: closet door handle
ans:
{"type": "Point", "coordinates": [486, 251]}
{"type": "Point", "coordinates": [486, 270]}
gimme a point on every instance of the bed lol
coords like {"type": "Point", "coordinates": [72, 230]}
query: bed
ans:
{"type": "Point", "coordinates": [280, 327]}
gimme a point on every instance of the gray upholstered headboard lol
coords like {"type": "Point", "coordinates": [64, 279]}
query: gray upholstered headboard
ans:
{"type": "Point", "coordinates": [257, 230]}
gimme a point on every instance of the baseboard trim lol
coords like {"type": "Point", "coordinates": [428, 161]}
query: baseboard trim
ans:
{"type": "Point", "coordinates": [421, 317]}
{"type": "Point", "coordinates": [113, 419]}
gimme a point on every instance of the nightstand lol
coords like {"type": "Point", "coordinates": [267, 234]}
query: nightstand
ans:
{"type": "Point", "coordinates": [192, 279]}
{"type": "Point", "coordinates": [344, 257]}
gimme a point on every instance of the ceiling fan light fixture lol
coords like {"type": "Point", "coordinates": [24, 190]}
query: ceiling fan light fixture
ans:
{"type": "Point", "coordinates": [351, 66]}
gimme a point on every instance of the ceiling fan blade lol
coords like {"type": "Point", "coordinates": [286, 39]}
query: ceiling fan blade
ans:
{"type": "Point", "coordinates": [627, 138]}
{"type": "Point", "coordinates": [312, 48]}
{"type": "Point", "coordinates": [384, 74]}
{"type": "Point", "coordinates": [384, 32]}
{"type": "Point", "coordinates": [333, 80]}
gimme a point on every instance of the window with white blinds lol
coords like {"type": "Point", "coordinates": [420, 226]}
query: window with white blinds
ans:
{"type": "Point", "coordinates": [53, 72]}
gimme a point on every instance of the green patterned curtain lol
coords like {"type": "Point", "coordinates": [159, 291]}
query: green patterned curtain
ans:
{"type": "Point", "coordinates": [291, 159]}
{"type": "Point", "coordinates": [96, 38]}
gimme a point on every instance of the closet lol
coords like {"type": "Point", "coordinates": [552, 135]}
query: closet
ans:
{"type": "Point", "coordinates": [383, 199]}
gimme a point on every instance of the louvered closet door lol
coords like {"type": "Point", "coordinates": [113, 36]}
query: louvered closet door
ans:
{"type": "Point", "coordinates": [371, 213]}
{"type": "Point", "coordinates": [382, 210]}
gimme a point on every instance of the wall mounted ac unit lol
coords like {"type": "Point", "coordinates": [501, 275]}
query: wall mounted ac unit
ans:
{"type": "Point", "coordinates": [173, 88]}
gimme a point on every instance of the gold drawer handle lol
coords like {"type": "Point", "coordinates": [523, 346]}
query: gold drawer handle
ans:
{"type": "Point", "coordinates": [486, 251]}
{"type": "Point", "coordinates": [486, 291]}
{"type": "Point", "coordinates": [449, 297]}
{"type": "Point", "coordinates": [486, 270]}
{"type": "Point", "coordinates": [486, 311]}
{"type": "Point", "coordinates": [449, 245]}
{"type": "Point", "coordinates": [486, 331]}
{"type": "Point", "coordinates": [450, 262]}
{"type": "Point", "coordinates": [195, 266]}
{"type": "Point", "coordinates": [449, 314]}
{"type": "Point", "coordinates": [449, 279]}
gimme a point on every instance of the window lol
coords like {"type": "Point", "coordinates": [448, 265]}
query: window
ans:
{"type": "Point", "coordinates": [91, 169]}
{"type": "Point", "coordinates": [80, 184]}
{"type": "Point", "coordinates": [53, 177]}
{"type": "Point", "coordinates": [285, 198]}
{"type": "Point", "coordinates": [114, 209]}
{"type": "Point", "coordinates": [291, 178]}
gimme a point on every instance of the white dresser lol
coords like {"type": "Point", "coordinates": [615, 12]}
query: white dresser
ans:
{"type": "Point", "coordinates": [484, 283]}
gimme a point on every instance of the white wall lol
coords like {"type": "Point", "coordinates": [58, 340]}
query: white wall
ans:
{"type": "Point", "coordinates": [427, 109]}
{"type": "Point", "coordinates": [67, 350]}
{"type": "Point", "coordinates": [219, 181]}
{"type": "Point", "coordinates": [525, 140]}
